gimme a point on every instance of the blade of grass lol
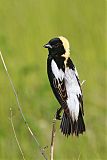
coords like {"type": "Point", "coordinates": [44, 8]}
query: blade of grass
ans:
{"type": "Point", "coordinates": [14, 132]}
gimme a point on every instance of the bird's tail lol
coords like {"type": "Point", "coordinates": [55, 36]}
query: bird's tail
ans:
{"type": "Point", "coordinates": [68, 126]}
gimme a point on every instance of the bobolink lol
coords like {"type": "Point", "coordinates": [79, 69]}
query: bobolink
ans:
{"type": "Point", "coordinates": [66, 86]}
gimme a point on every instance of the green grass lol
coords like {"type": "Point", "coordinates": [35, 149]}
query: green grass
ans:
{"type": "Point", "coordinates": [25, 26]}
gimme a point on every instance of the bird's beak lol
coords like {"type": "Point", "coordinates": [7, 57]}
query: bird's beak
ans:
{"type": "Point", "coordinates": [47, 46]}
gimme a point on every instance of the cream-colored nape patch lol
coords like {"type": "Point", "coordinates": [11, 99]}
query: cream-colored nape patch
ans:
{"type": "Point", "coordinates": [66, 46]}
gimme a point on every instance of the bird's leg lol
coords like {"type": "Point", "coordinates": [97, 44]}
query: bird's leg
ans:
{"type": "Point", "coordinates": [58, 116]}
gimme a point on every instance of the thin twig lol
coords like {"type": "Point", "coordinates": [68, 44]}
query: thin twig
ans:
{"type": "Point", "coordinates": [20, 109]}
{"type": "Point", "coordinates": [83, 82]}
{"type": "Point", "coordinates": [17, 141]}
{"type": "Point", "coordinates": [52, 138]}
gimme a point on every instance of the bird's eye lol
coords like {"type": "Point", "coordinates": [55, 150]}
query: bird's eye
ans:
{"type": "Point", "coordinates": [57, 45]}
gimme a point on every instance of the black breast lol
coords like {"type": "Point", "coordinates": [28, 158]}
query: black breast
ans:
{"type": "Point", "coordinates": [59, 61]}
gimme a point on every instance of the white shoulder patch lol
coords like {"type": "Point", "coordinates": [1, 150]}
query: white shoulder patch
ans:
{"type": "Point", "coordinates": [58, 73]}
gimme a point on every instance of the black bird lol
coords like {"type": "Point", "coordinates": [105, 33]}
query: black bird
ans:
{"type": "Point", "coordinates": [66, 86]}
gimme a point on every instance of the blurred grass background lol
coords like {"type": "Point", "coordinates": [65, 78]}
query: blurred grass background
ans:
{"type": "Point", "coordinates": [25, 26]}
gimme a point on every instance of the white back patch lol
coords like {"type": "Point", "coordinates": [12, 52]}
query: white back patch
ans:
{"type": "Point", "coordinates": [58, 73]}
{"type": "Point", "coordinates": [73, 90]}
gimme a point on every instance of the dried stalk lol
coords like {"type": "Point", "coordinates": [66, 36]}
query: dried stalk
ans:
{"type": "Point", "coordinates": [42, 151]}
{"type": "Point", "coordinates": [52, 139]}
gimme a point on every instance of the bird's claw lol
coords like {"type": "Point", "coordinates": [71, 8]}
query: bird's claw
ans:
{"type": "Point", "coordinates": [58, 116]}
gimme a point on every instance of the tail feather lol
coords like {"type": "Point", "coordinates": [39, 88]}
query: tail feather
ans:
{"type": "Point", "coordinates": [81, 125]}
{"type": "Point", "coordinates": [68, 126]}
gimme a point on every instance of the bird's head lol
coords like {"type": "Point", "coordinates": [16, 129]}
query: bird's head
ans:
{"type": "Point", "coordinates": [58, 47]}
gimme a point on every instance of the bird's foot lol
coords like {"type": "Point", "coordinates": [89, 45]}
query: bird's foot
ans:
{"type": "Point", "coordinates": [58, 116]}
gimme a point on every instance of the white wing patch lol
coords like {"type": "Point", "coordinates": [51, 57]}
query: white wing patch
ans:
{"type": "Point", "coordinates": [58, 73]}
{"type": "Point", "coordinates": [73, 89]}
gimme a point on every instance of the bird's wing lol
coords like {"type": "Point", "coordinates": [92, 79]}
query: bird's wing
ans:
{"type": "Point", "coordinates": [60, 88]}
{"type": "Point", "coordinates": [56, 77]}
{"type": "Point", "coordinates": [80, 96]}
